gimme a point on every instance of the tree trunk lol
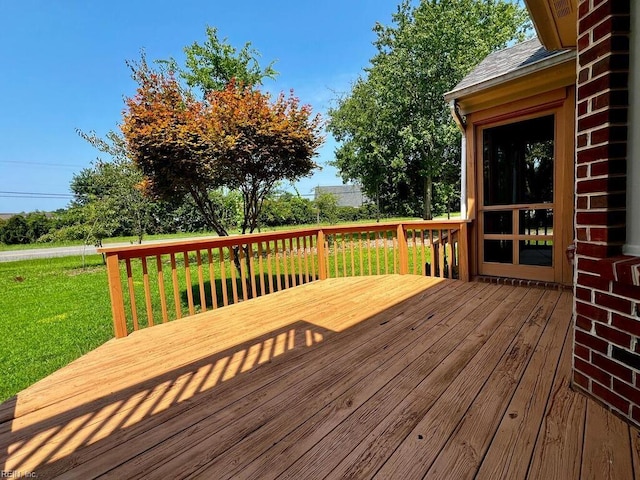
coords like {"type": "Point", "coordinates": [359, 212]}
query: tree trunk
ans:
{"type": "Point", "coordinates": [428, 184]}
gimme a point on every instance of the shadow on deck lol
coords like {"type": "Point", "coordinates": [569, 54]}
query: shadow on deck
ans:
{"type": "Point", "coordinates": [388, 377]}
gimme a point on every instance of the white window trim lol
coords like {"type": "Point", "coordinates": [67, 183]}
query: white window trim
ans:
{"type": "Point", "coordinates": [632, 247]}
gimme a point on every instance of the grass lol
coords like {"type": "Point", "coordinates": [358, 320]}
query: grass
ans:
{"type": "Point", "coordinates": [51, 312]}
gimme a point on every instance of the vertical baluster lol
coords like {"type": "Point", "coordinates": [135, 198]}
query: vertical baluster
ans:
{"type": "Point", "coordinates": [441, 253]}
{"type": "Point", "coordinates": [163, 294]}
{"type": "Point", "coordinates": [261, 268]}
{"type": "Point", "coordinates": [175, 284]}
{"type": "Point", "coordinates": [360, 254]}
{"type": "Point", "coordinates": [395, 246]}
{"type": "Point", "coordinates": [132, 295]}
{"type": "Point", "coordinates": [243, 274]}
{"type": "Point", "coordinates": [312, 254]}
{"type": "Point", "coordinates": [292, 256]}
{"type": "Point", "coordinates": [353, 258]}
{"type": "Point", "coordinates": [386, 253]}
{"type": "Point", "coordinates": [284, 263]}
{"type": "Point", "coordinates": [212, 280]}
{"type": "Point", "coordinates": [299, 256]}
{"type": "Point", "coordinates": [223, 277]}
{"type": "Point", "coordinates": [147, 291]}
{"type": "Point", "coordinates": [187, 275]}
{"type": "Point", "coordinates": [252, 271]}
{"type": "Point", "coordinates": [415, 252]}
{"type": "Point", "coordinates": [232, 269]}
{"type": "Point", "coordinates": [335, 254]}
{"type": "Point", "coordinates": [423, 262]}
{"type": "Point", "coordinates": [378, 239]}
{"type": "Point", "coordinates": [344, 255]}
{"type": "Point", "coordinates": [269, 269]}
{"type": "Point", "coordinates": [369, 253]}
{"type": "Point", "coordinates": [433, 253]}
{"type": "Point", "coordinates": [306, 257]}
{"type": "Point", "coordinates": [450, 254]}
{"type": "Point", "coordinates": [203, 297]}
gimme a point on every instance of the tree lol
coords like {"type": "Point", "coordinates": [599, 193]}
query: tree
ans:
{"type": "Point", "coordinates": [212, 66]}
{"type": "Point", "coordinates": [395, 130]}
{"type": "Point", "coordinates": [237, 138]}
{"type": "Point", "coordinates": [110, 192]}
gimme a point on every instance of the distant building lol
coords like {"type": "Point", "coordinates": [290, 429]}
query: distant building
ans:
{"type": "Point", "coordinates": [346, 195]}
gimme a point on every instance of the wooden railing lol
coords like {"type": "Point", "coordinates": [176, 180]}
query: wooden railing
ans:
{"type": "Point", "coordinates": [160, 282]}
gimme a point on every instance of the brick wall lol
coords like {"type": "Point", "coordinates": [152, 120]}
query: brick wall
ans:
{"type": "Point", "coordinates": [607, 291]}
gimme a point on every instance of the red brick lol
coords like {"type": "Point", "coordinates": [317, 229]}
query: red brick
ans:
{"type": "Point", "coordinates": [583, 42]}
{"type": "Point", "coordinates": [627, 391]}
{"type": "Point", "coordinates": [583, 294]}
{"type": "Point", "coordinates": [626, 324]}
{"type": "Point", "coordinates": [582, 109]}
{"type": "Point", "coordinates": [635, 413]}
{"type": "Point", "coordinates": [594, 343]}
{"type": "Point", "coordinates": [584, 323]}
{"type": "Point", "coordinates": [617, 23]}
{"type": "Point", "coordinates": [592, 281]}
{"type": "Point", "coordinates": [581, 379]}
{"type": "Point", "coordinates": [592, 312]}
{"type": "Point", "coordinates": [594, 16]}
{"type": "Point", "coordinates": [602, 152]}
{"type": "Point", "coordinates": [608, 81]}
{"type": "Point", "coordinates": [615, 133]}
{"type": "Point", "coordinates": [606, 234]}
{"type": "Point", "coordinates": [593, 120]}
{"type": "Point", "coordinates": [597, 251]}
{"type": "Point", "coordinates": [611, 398]}
{"type": "Point", "coordinates": [615, 43]}
{"type": "Point", "coordinates": [612, 167]}
{"type": "Point", "coordinates": [581, 234]}
{"type": "Point", "coordinates": [609, 200]}
{"type": "Point", "coordinates": [582, 201]}
{"type": "Point", "coordinates": [614, 336]}
{"type": "Point", "coordinates": [614, 368]}
{"type": "Point", "coordinates": [582, 352]}
{"type": "Point", "coordinates": [592, 266]}
{"type": "Point", "coordinates": [592, 372]}
{"type": "Point", "coordinates": [583, 8]}
{"type": "Point", "coordinates": [619, 304]}
{"type": "Point", "coordinates": [629, 291]}
{"type": "Point", "coordinates": [624, 269]}
{"type": "Point", "coordinates": [611, 217]}
{"type": "Point", "coordinates": [610, 99]}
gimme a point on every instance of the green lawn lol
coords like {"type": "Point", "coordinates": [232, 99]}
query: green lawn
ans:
{"type": "Point", "coordinates": [51, 312]}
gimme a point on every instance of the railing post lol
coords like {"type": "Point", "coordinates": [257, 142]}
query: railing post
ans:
{"type": "Point", "coordinates": [115, 291]}
{"type": "Point", "coordinates": [403, 250]}
{"type": "Point", "coordinates": [322, 264]}
{"type": "Point", "coordinates": [463, 253]}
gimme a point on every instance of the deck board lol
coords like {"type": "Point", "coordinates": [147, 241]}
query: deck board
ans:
{"type": "Point", "coordinates": [387, 377]}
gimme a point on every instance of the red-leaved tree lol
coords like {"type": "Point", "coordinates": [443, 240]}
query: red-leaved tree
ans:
{"type": "Point", "coordinates": [237, 138]}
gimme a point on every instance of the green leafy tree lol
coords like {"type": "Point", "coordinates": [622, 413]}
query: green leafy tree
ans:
{"type": "Point", "coordinates": [395, 130]}
{"type": "Point", "coordinates": [327, 206]}
{"type": "Point", "coordinates": [110, 192]}
{"type": "Point", "coordinates": [212, 65]}
{"type": "Point", "coordinates": [15, 231]}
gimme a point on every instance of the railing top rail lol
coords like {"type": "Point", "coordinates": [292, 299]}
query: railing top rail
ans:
{"type": "Point", "coordinates": [175, 246]}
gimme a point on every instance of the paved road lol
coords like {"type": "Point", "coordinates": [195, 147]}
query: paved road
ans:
{"type": "Point", "coordinates": [14, 255]}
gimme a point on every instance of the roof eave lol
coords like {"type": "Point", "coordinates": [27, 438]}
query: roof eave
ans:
{"type": "Point", "coordinates": [548, 62]}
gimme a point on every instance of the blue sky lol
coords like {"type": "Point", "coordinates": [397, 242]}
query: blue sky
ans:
{"type": "Point", "coordinates": [63, 68]}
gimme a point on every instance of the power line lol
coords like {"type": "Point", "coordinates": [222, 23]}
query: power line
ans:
{"type": "Point", "coordinates": [41, 164]}
{"type": "Point", "coordinates": [5, 194]}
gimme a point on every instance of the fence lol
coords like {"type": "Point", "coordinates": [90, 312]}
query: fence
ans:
{"type": "Point", "coordinates": [160, 282]}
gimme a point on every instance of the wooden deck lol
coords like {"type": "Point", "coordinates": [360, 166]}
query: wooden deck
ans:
{"type": "Point", "coordinates": [387, 377]}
